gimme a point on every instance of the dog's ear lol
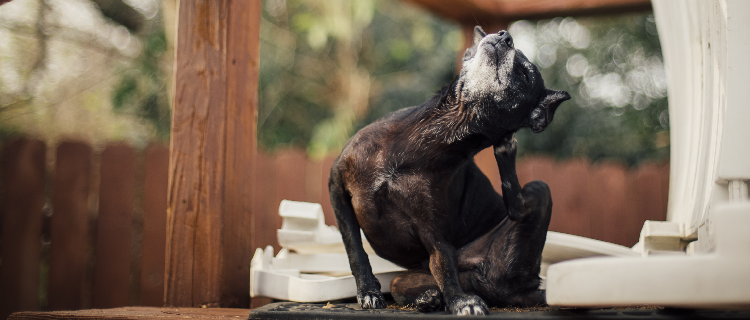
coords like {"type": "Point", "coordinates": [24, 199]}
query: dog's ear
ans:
{"type": "Point", "coordinates": [478, 35]}
{"type": "Point", "coordinates": [542, 115]}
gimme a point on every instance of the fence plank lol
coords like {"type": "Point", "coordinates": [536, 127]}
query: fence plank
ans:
{"type": "Point", "coordinates": [265, 210]}
{"type": "Point", "coordinates": [569, 185]}
{"type": "Point", "coordinates": [265, 219]}
{"type": "Point", "coordinates": [154, 226]}
{"type": "Point", "coordinates": [291, 175]}
{"type": "Point", "coordinates": [24, 173]}
{"type": "Point", "coordinates": [114, 227]}
{"type": "Point", "coordinates": [633, 217]}
{"type": "Point", "coordinates": [485, 160]}
{"type": "Point", "coordinates": [325, 196]}
{"type": "Point", "coordinates": [664, 173]}
{"type": "Point", "coordinates": [649, 191]}
{"type": "Point", "coordinates": [536, 167]}
{"type": "Point", "coordinates": [69, 226]}
{"type": "Point", "coordinates": [606, 205]}
{"type": "Point", "coordinates": [313, 174]}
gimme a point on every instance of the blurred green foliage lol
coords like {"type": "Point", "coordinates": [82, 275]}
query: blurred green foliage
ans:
{"type": "Point", "coordinates": [142, 89]}
{"type": "Point", "coordinates": [613, 69]}
{"type": "Point", "coordinates": [330, 67]}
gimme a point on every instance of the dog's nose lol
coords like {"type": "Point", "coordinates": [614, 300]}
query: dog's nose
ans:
{"type": "Point", "coordinates": [506, 38]}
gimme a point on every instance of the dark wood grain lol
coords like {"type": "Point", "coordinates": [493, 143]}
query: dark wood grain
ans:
{"type": "Point", "coordinates": [569, 185]}
{"type": "Point", "coordinates": [472, 12]}
{"type": "Point", "coordinates": [291, 174]}
{"type": "Point", "coordinates": [69, 226]}
{"type": "Point", "coordinates": [138, 313]}
{"type": "Point", "coordinates": [633, 217]}
{"type": "Point", "coordinates": [325, 196]}
{"type": "Point", "coordinates": [114, 228]}
{"type": "Point", "coordinates": [486, 162]}
{"type": "Point", "coordinates": [265, 210]}
{"type": "Point", "coordinates": [24, 174]}
{"type": "Point", "coordinates": [211, 157]}
{"type": "Point", "coordinates": [154, 226]}
{"type": "Point", "coordinates": [664, 172]}
{"type": "Point", "coordinates": [606, 205]}
{"type": "Point", "coordinates": [266, 207]}
{"type": "Point", "coordinates": [243, 61]}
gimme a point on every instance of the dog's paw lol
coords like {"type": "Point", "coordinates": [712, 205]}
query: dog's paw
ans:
{"type": "Point", "coordinates": [467, 305]}
{"type": "Point", "coordinates": [508, 146]}
{"type": "Point", "coordinates": [371, 299]}
{"type": "Point", "coordinates": [430, 300]}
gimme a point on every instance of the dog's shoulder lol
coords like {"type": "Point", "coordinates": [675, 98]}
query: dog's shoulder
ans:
{"type": "Point", "coordinates": [373, 145]}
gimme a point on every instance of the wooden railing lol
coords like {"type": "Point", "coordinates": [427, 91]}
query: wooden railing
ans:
{"type": "Point", "coordinates": [83, 228]}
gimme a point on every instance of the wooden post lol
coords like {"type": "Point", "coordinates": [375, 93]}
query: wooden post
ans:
{"type": "Point", "coordinates": [212, 149]}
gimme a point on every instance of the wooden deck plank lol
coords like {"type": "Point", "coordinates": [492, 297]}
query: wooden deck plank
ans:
{"type": "Point", "coordinates": [138, 313]}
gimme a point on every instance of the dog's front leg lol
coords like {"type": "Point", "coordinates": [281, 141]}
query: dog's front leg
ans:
{"type": "Point", "coordinates": [368, 287]}
{"type": "Point", "coordinates": [444, 268]}
{"type": "Point", "coordinates": [505, 156]}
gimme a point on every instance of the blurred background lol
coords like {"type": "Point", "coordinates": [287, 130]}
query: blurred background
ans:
{"type": "Point", "coordinates": [96, 71]}
{"type": "Point", "coordinates": [100, 70]}
{"type": "Point", "coordinates": [328, 68]}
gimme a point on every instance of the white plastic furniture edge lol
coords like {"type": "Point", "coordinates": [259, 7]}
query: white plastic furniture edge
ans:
{"type": "Point", "coordinates": [715, 280]}
{"type": "Point", "coordinates": [292, 284]}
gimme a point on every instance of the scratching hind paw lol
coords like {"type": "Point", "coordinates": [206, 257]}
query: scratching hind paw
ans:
{"type": "Point", "coordinates": [430, 300]}
{"type": "Point", "coordinates": [371, 299]}
{"type": "Point", "coordinates": [467, 305]}
{"type": "Point", "coordinates": [508, 146]}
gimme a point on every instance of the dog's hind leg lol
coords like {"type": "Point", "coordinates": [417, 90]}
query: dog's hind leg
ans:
{"type": "Point", "coordinates": [368, 287]}
{"type": "Point", "coordinates": [417, 288]}
{"type": "Point", "coordinates": [503, 265]}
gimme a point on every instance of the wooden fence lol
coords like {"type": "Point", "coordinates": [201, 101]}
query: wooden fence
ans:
{"type": "Point", "coordinates": [87, 229]}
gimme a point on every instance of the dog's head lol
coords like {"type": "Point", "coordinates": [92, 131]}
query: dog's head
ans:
{"type": "Point", "coordinates": [506, 89]}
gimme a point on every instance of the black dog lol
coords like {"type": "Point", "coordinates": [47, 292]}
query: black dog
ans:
{"type": "Point", "coordinates": [410, 182]}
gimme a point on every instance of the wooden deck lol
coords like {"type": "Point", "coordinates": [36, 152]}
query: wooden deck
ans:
{"type": "Point", "coordinates": [138, 313]}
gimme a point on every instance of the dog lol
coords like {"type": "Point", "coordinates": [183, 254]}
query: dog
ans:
{"type": "Point", "coordinates": [409, 181]}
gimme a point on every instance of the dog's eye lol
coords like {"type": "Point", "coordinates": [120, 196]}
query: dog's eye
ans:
{"type": "Point", "coordinates": [525, 75]}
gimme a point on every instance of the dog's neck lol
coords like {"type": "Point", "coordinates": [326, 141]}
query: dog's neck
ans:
{"type": "Point", "coordinates": [449, 123]}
